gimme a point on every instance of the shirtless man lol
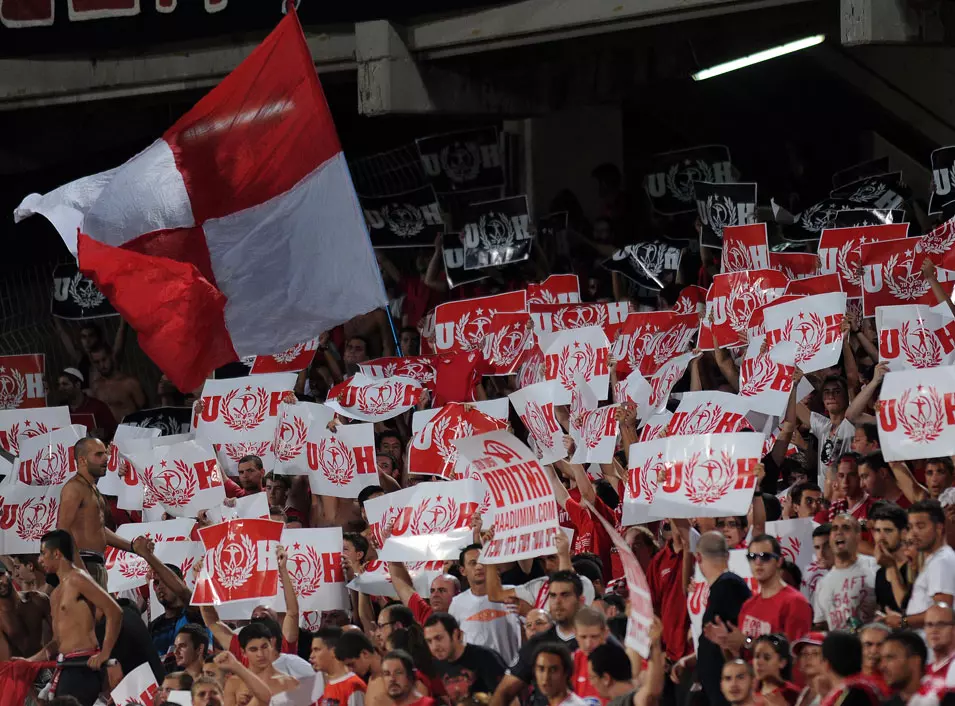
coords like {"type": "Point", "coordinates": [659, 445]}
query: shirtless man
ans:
{"type": "Point", "coordinates": [260, 680]}
{"type": "Point", "coordinates": [83, 510]}
{"type": "Point", "coordinates": [24, 620]}
{"type": "Point", "coordinates": [73, 604]}
{"type": "Point", "coordinates": [374, 328]}
{"type": "Point", "coordinates": [121, 392]}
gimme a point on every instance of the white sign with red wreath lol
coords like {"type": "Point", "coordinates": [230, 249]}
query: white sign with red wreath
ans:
{"type": "Point", "coordinates": [535, 406]}
{"type": "Point", "coordinates": [795, 540]}
{"type": "Point", "coordinates": [525, 511]}
{"type": "Point", "coordinates": [383, 511]}
{"type": "Point", "coordinates": [374, 400]}
{"type": "Point", "coordinates": [709, 475]}
{"type": "Point", "coordinates": [656, 426]}
{"type": "Point", "coordinates": [709, 413]}
{"type": "Point", "coordinates": [29, 512]}
{"type": "Point", "coordinates": [291, 434]}
{"type": "Point", "coordinates": [916, 414]}
{"type": "Point", "coordinates": [239, 416]}
{"type": "Point", "coordinates": [126, 438]}
{"type": "Point", "coordinates": [584, 352]}
{"type": "Point", "coordinates": [341, 463]}
{"type": "Point", "coordinates": [48, 459]}
{"type": "Point", "coordinates": [17, 424]}
{"type": "Point", "coordinates": [137, 687]}
{"type": "Point", "coordinates": [593, 429]}
{"type": "Point", "coordinates": [813, 324]}
{"type": "Point", "coordinates": [646, 465]}
{"type": "Point", "coordinates": [182, 479]}
{"type": "Point", "coordinates": [315, 567]}
{"type": "Point", "coordinates": [126, 571]}
{"type": "Point", "coordinates": [915, 336]}
{"type": "Point", "coordinates": [766, 378]}
{"type": "Point", "coordinates": [434, 523]}
{"type": "Point", "coordinates": [665, 379]}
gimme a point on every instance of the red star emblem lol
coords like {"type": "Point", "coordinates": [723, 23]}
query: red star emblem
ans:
{"type": "Point", "coordinates": [248, 388]}
{"type": "Point", "coordinates": [163, 463]}
{"type": "Point", "coordinates": [296, 546]}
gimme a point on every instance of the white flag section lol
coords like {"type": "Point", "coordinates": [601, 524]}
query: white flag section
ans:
{"type": "Point", "coordinates": [656, 427]}
{"type": "Point", "coordinates": [343, 462]}
{"type": "Point", "coordinates": [915, 336]}
{"type": "Point", "coordinates": [709, 413]}
{"type": "Point", "coordinates": [582, 351]}
{"type": "Point", "coordinates": [496, 409]}
{"type": "Point", "coordinates": [291, 433]}
{"type": "Point", "coordinates": [525, 511]}
{"type": "Point", "coordinates": [29, 512]}
{"type": "Point", "coordinates": [710, 475]}
{"type": "Point", "coordinates": [239, 416]}
{"type": "Point", "coordinates": [375, 580]}
{"type": "Point", "coordinates": [383, 511]}
{"type": "Point", "coordinates": [813, 324]}
{"type": "Point", "coordinates": [17, 424]}
{"type": "Point", "coordinates": [766, 379]}
{"type": "Point", "coordinates": [182, 479]}
{"type": "Point", "coordinates": [636, 390]}
{"type": "Point", "coordinates": [916, 414]}
{"type": "Point", "coordinates": [315, 567]}
{"type": "Point", "coordinates": [255, 506]}
{"type": "Point", "coordinates": [646, 465]}
{"type": "Point", "coordinates": [125, 570]}
{"type": "Point", "coordinates": [534, 404]}
{"type": "Point", "coordinates": [374, 400]}
{"type": "Point", "coordinates": [593, 430]}
{"type": "Point", "coordinates": [795, 540]}
{"type": "Point", "coordinates": [47, 459]}
{"type": "Point", "coordinates": [698, 594]}
{"type": "Point", "coordinates": [137, 687]}
{"type": "Point", "coordinates": [434, 522]}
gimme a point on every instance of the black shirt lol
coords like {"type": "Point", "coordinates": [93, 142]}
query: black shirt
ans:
{"type": "Point", "coordinates": [524, 669]}
{"type": "Point", "coordinates": [482, 668]}
{"type": "Point", "coordinates": [134, 646]}
{"type": "Point", "coordinates": [727, 595]}
{"type": "Point", "coordinates": [884, 597]}
{"type": "Point", "coordinates": [163, 630]}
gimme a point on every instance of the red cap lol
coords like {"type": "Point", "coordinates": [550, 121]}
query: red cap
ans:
{"type": "Point", "coordinates": [812, 638]}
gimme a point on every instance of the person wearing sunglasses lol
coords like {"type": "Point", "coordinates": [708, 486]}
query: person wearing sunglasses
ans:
{"type": "Point", "coordinates": [772, 663]}
{"type": "Point", "coordinates": [845, 597]}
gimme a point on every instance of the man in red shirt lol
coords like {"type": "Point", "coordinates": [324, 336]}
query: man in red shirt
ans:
{"type": "Point", "coordinates": [879, 482]}
{"type": "Point", "coordinates": [668, 593]}
{"type": "Point", "coordinates": [443, 589]}
{"type": "Point", "coordinates": [591, 632]}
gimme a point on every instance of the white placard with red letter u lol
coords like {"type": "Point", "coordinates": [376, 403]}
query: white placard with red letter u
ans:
{"type": "Point", "coordinates": [916, 414]}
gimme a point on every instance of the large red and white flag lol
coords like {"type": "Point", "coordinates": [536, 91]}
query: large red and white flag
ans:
{"type": "Point", "coordinates": [239, 562]}
{"type": "Point", "coordinates": [766, 379]}
{"type": "Point", "coordinates": [813, 325]}
{"type": "Point", "coordinates": [584, 352]}
{"type": "Point", "coordinates": [374, 400]}
{"type": "Point", "coordinates": [534, 404]}
{"type": "Point", "coordinates": [915, 336]}
{"type": "Point", "coordinates": [892, 274]}
{"type": "Point", "coordinates": [432, 449]}
{"type": "Point", "coordinates": [17, 424]}
{"type": "Point", "coordinates": [840, 251]}
{"type": "Point", "coordinates": [709, 413]}
{"type": "Point", "coordinates": [315, 567]}
{"type": "Point", "coordinates": [522, 498]}
{"type": "Point", "coordinates": [48, 459]}
{"type": "Point", "coordinates": [463, 325]}
{"type": "Point", "coordinates": [182, 478]}
{"type": "Point", "coordinates": [916, 414]}
{"type": "Point", "coordinates": [730, 303]}
{"type": "Point", "coordinates": [556, 289]}
{"type": "Point", "coordinates": [21, 381]}
{"type": "Point", "coordinates": [138, 687]}
{"type": "Point", "coordinates": [236, 233]}
{"type": "Point", "coordinates": [708, 475]}
{"type": "Point", "coordinates": [239, 416]}
{"type": "Point", "coordinates": [745, 248]}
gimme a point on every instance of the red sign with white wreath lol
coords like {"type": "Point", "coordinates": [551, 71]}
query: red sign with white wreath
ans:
{"type": "Point", "coordinates": [432, 451]}
{"type": "Point", "coordinates": [892, 274]}
{"type": "Point", "coordinates": [745, 248]}
{"type": "Point", "coordinates": [510, 336]}
{"type": "Point", "coordinates": [296, 358]}
{"type": "Point", "coordinates": [239, 562]}
{"type": "Point", "coordinates": [730, 304]}
{"type": "Point", "coordinates": [21, 381]}
{"type": "Point", "coordinates": [840, 251]}
{"type": "Point", "coordinates": [556, 289]}
{"type": "Point", "coordinates": [463, 325]}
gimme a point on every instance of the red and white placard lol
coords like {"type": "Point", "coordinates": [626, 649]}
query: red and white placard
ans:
{"type": "Point", "coordinates": [296, 358]}
{"type": "Point", "coordinates": [239, 416]}
{"type": "Point", "coordinates": [818, 284]}
{"type": "Point", "coordinates": [434, 523]}
{"type": "Point", "coordinates": [709, 413]}
{"type": "Point", "coordinates": [556, 289]}
{"type": "Point", "coordinates": [374, 400]}
{"type": "Point", "coordinates": [648, 340]}
{"type": "Point", "coordinates": [938, 243]}
{"type": "Point", "coordinates": [315, 567]}
{"type": "Point", "coordinates": [341, 463]}
{"type": "Point", "coordinates": [29, 512]}
{"type": "Point", "coordinates": [840, 251]}
{"type": "Point", "coordinates": [165, 531]}
{"type": "Point", "coordinates": [18, 423]}
{"type": "Point", "coordinates": [745, 248]}
{"type": "Point", "coordinates": [795, 540]}
{"type": "Point", "coordinates": [375, 580]}
{"type": "Point", "coordinates": [757, 323]}
{"type": "Point", "coordinates": [250, 507]}
{"type": "Point", "coordinates": [21, 381]}
{"type": "Point", "coordinates": [137, 687]}
{"type": "Point", "coordinates": [535, 406]}
{"type": "Point", "coordinates": [795, 265]}
{"type": "Point", "coordinates": [730, 303]}
{"type": "Point", "coordinates": [463, 325]}
{"type": "Point", "coordinates": [48, 459]}
{"type": "Point", "coordinates": [707, 475]}
{"type": "Point", "coordinates": [692, 300]}
{"type": "Point", "coordinates": [584, 352]}
{"type": "Point", "coordinates": [636, 391]}
{"type": "Point", "coordinates": [549, 318]}
{"type": "Point", "coordinates": [291, 435]}
{"type": "Point", "coordinates": [126, 571]}
{"type": "Point", "coordinates": [915, 336]}
{"type": "Point", "coordinates": [182, 478]}
{"type": "Point", "coordinates": [495, 409]}
{"type": "Point", "coordinates": [813, 324]}
{"type": "Point", "coordinates": [593, 429]}
{"type": "Point", "coordinates": [432, 451]}
{"type": "Point", "coordinates": [892, 274]}
{"type": "Point", "coordinates": [416, 367]}
{"type": "Point", "coordinates": [509, 336]}
{"type": "Point", "coordinates": [128, 438]}
{"type": "Point", "coordinates": [766, 379]}
{"type": "Point", "coordinates": [916, 414]}
{"type": "Point", "coordinates": [525, 511]}
{"type": "Point", "coordinates": [646, 464]}
{"type": "Point", "coordinates": [239, 562]}
{"type": "Point", "coordinates": [384, 510]}
{"type": "Point", "coordinates": [663, 381]}
{"type": "Point", "coordinates": [656, 426]}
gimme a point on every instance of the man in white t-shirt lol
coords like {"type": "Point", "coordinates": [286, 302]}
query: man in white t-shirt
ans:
{"type": "Point", "coordinates": [833, 432]}
{"type": "Point", "coordinates": [936, 580]}
{"type": "Point", "coordinates": [845, 597]}
{"type": "Point", "coordinates": [483, 621]}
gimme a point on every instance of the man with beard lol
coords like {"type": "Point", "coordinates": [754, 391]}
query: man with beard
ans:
{"type": "Point", "coordinates": [845, 597]}
{"type": "Point", "coordinates": [889, 523]}
{"type": "Point", "coordinates": [83, 510]}
{"type": "Point", "coordinates": [736, 683]}
{"type": "Point", "coordinates": [24, 620]}
{"type": "Point", "coordinates": [398, 671]}
{"type": "Point", "coordinates": [903, 659]}
{"type": "Point", "coordinates": [73, 604]}
{"type": "Point", "coordinates": [465, 669]}
{"type": "Point", "coordinates": [443, 590]}
{"type": "Point", "coordinates": [878, 480]}
{"type": "Point", "coordinates": [174, 596]}
{"type": "Point", "coordinates": [936, 581]}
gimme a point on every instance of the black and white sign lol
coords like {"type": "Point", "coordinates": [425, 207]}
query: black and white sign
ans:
{"type": "Point", "coordinates": [720, 205]}
{"type": "Point", "coordinates": [169, 420]}
{"type": "Point", "coordinates": [943, 182]}
{"type": "Point", "coordinates": [408, 220]}
{"type": "Point", "coordinates": [871, 167]}
{"type": "Point", "coordinates": [651, 265]}
{"type": "Point", "coordinates": [454, 262]}
{"type": "Point", "coordinates": [496, 233]}
{"type": "Point", "coordinates": [883, 191]}
{"type": "Point", "coordinates": [856, 217]}
{"type": "Point", "coordinates": [462, 161]}
{"type": "Point", "coordinates": [76, 297]}
{"type": "Point", "coordinates": [669, 183]}
{"type": "Point", "coordinates": [837, 213]}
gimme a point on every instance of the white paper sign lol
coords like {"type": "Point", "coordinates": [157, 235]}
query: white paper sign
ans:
{"type": "Point", "coordinates": [139, 687]}
{"type": "Point", "coordinates": [343, 463]}
{"type": "Point", "coordinates": [915, 336]}
{"type": "Point", "coordinates": [291, 434]}
{"type": "Point", "coordinates": [766, 380]}
{"type": "Point", "coordinates": [709, 413]}
{"type": "Point", "coordinates": [183, 478]}
{"type": "Point", "coordinates": [534, 404]}
{"type": "Point", "coordinates": [916, 414]}
{"type": "Point", "coordinates": [315, 567]}
{"type": "Point", "coordinates": [19, 424]}
{"type": "Point", "coordinates": [582, 351]}
{"type": "Point", "coordinates": [373, 400]}
{"type": "Point", "coordinates": [813, 324]}
{"type": "Point", "coordinates": [795, 540]}
{"type": "Point", "coordinates": [47, 459]}
{"type": "Point", "coordinates": [29, 512]}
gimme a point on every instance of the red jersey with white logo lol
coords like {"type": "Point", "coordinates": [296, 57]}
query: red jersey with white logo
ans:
{"type": "Point", "coordinates": [580, 682]}
{"type": "Point", "coordinates": [348, 690]}
{"type": "Point", "coordinates": [788, 612]}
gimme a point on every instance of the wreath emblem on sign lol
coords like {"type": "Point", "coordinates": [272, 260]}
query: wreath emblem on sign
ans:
{"type": "Point", "coordinates": [869, 192]}
{"type": "Point", "coordinates": [434, 515]}
{"type": "Point", "coordinates": [920, 346]}
{"type": "Point", "coordinates": [305, 570]}
{"type": "Point", "coordinates": [720, 212]}
{"type": "Point", "coordinates": [239, 449]}
{"type": "Point", "coordinates": [12, 388]}
{"type": "Point", "coordinates": [287, 356]}
{"type": "Point", "coordinates": [927, 422]}
{"type": "Point", "coordinates": [173, 487]}
{"type": "Point", "coordinates": [248, 412]}
{"type": "Point", "coordinates": [644, 480]}
{"type": "Point", "coordinates": [579, 362]}
{"type": "Point", "coordinates": [680, 178]}
{"type": "Point", "coordinates": [132, 568]}
{"type": "Point", "coordinates": [505, 345]}
{"type": "Point", "coordinates": [403, 219]}
{"type": "Point", "coordinates": [818, 217]}
{"type": "Point", "coordinates": [336, 460]}
{"type": "Point", "coordinates": [84, 293]}
{"type": "Point", "coordinates": [704, 419]}
{"type": "Point", "coordinates": [536, 421]}
{"type": "Point", "coordinates": [290, 439]}
{"type": "Point", "coordinates": [811, 332]}
{"type": "Point", "coordinates": [36, 518]}
{"type": "Point", "coordinates": [51, 465]}
{"type": "Point", "coordinates": [911, 285]}
{"type": "Point", "coordinates": [715, 480]}
{"type": "Point", "coordinates": [461, 161]}
{"type": "Point", "coordinates": [472, 339]}
{"type": "Point", "coordinates": [234, 560]}
{"type": "Point", "coordinates": [756, 375]}
{"type": "Point", "coordinates": [940, 240]}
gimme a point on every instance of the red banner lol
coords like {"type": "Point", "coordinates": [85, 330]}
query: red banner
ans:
{"type": "Point", "coordinates": [692, 300]}
{"type": "Point", "coordinates": [730, 304]}
{"type": "Point", "coordinates": [647, 340]}
{"type": "Point", "coordinates": [745, 248]}
{"type": "Point", "coordinates": [21, 381]}
{"type": "Point", "coordinates": [239, 562]}
{"type": "Point", "coordinates": [556, 289]}
{"type": "Point", "coordinates": [819, 284]}
{"type": "Point", "coordinates": [549, 318]}
{"type": "Point", "coordinates": [463, 325]}
{"type": "Point", "coordinates": [795, 265]}
{"type": "Point", "coordinates": [432, 451]}
{"type": "Point", "coordinates": [840, 251]}
{"type": "Point", "coordinates": [892, 274]}
{"type": "Point", "coordinates": [509, 337]}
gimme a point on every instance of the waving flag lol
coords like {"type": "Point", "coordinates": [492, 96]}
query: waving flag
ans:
{"type": "Point", "coordinates": [236, 233]}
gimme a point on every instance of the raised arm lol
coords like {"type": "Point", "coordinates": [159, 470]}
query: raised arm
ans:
{"type": "Point", "coordinates": [911, 488]}
{"type": "Point", "coordinates": [290, 621]}
{"type": "Point", "coordinates": [928, 269]}
{"type": "Point", "coordinates": [221, 632]}
{"type": "Point", "coordinates": [581, 479]}
{"type": "Point", "coordinates": [119, 342]}
{"type": "Point", "coordinates": [227, 662]}
{"type": "Point", "coordinates": [495, 590]}
{"type": "Point", "coordinates": [652, 687]}
{"type": "Point", "coordinates": [144, 547]}
{"type": "Point", "coordinates": [856, 412]}
{"type": "Point", "coordinates": [725, 363]}
{"type": "Point", "coordinates": [435, 275]}
{"type": "Point", "coordinates": [67, 340]}
{"type": "Point", "coordinates": [401, 580]}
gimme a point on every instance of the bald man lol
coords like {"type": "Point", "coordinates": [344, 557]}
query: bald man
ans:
{"type": "Point", "coordinates": [940, 637]}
